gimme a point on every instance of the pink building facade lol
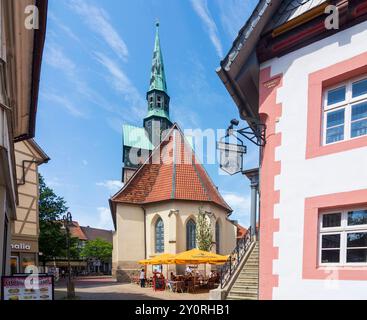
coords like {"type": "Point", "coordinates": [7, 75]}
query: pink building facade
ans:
{"type": "Point", "coordinates": [308, 85]}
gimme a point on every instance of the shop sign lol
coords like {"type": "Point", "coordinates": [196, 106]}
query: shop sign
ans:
{"type": "Point", "coordinates": [27, 287]}
{"type": "Point", "coordinates": [21, 246]}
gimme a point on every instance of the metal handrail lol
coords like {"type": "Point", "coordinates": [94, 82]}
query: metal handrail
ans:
{"type": "Point", "coordinates": [230, 267]}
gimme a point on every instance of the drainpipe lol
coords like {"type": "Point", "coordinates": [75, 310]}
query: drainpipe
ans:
{"type": "Point", "coordinates": [145, 233]}
{"type": "Point", "coordinates": [254, 188]}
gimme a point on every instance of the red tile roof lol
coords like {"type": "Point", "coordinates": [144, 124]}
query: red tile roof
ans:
{"type": "Point", "coordinates": [94, 233]}
{"type": "Point", "coordinates": [171, 173]}
{"type": "Point", "coordinates": [76, 231]}
{"type": "Point", "coordinates": [241, 231]}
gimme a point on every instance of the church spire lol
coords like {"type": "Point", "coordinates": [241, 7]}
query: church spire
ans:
{"type": "Point", "coordinates": [158, 77]}
{"type": "Point", "coordinates": [157, 119]}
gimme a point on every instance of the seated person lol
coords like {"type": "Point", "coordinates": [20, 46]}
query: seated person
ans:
{"type": "Point", "coordinates": [170, 282]}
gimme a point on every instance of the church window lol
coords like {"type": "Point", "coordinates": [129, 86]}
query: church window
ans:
{"type": "Point", "coordinates": [191, 235]}
{"type": "Point", "coordinates": [159, 99]}
{"type": "Point", "coordinates": [151, 100]}
{"type": "Point", "coordinates": [159, 236]}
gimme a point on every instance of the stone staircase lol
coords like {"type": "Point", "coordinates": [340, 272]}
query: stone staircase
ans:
{"type": "Point", "coordinates": [246, 286]}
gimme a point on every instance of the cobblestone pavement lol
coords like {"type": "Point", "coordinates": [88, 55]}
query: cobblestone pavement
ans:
{"type": "Point", "coordinates": [106, 288]}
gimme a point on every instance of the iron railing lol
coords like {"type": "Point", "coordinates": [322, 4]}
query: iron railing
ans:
{"type": "Point", "coordinates": [235, 258]}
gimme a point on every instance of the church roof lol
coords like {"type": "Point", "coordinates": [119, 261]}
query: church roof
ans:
{"type": "Point", "coordinates": [157, 113]}
{"type": "Point", "coordinates": [136, 137]}
{"type": "Point", "coordinates": [171, 173]}
{"type": "Point", "coordinates": [158, 76]}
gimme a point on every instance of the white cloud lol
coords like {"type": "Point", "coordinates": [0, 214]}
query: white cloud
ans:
{"type": "Point", "coordinates": [233, 14]}
{"type": "Point", "coordinates": [185, 117]}
{"type": "Point", "coordinates": [202, 10]}
{"type": "Point", "coordinates": [63, 27]}
{"type": "Point", "coordinates": [55, 57]}
{"type": "Point", "coordinates": [53, 182]}
{"type": "Point", "coordinates": [98, 21]}
{"type": "Point", "coordinates": [123, 85]}
{"type": "Point", "coordinates": [63, 101]}
{"type": "Point", "coordinates": [104, 219]}
{"type": "Point", "coordinates": [240, 204]}
{"type": "Point", "coordinates": [111, 185]}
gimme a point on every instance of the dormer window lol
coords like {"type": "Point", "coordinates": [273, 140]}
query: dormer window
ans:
{"type": "Point", "coordinates": [151, 100]}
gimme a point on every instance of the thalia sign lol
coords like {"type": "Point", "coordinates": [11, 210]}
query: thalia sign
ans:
{"type": "Point", "coordinates": [20, 246]}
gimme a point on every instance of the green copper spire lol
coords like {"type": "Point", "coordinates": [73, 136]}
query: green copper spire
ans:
{"type": "Point", "coordinates": [157, 119]}
{"type": "Point", "coordinates": [158, 77]}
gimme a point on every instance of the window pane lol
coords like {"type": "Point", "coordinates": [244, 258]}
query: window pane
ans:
{"type": "Point", "coordinates": [355, 240]}
{"type": "Point", "coordinates": [336, 95]}
{"type": "Point", "coordinates": [359, 111]}
{"type": "Point", "coordinates": [331, 241]}
{"type": "Point", "coordinates": [159, 236]}
{"type": "Point", "coordinates": [356, 255]}
{"type": "Point", "coordinates": [335, 134]}
{"type": "Point", "coordinates": [191, 235]}
{"type": "Point", "coordinates": [331, 220]}
{"type": "Point", "coordinates": [335, 118]}
{"type": "Point", "coordinates": [330, 256]}
{"type": "Point", "coordinates": [357, 217]}
{"type": "Point", "coordinates": [359, 88]}
{"type": "Point", "coordinates": [359, 128]}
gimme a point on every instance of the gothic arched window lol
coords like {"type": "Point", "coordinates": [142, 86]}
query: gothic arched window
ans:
{"type": "Point", "coordinates": [217, 237]}
{"type": "Point", "coordinates": [191, 235]}
{"type": "Point", "coordinates": [159, 236]}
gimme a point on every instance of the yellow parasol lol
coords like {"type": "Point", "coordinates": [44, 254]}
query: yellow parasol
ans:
{"type": "Point", "coordinates": [144, 262]}
{"type": "Point", "coordinates": [164, 258]}
{"type": "Point", "coordinates": [196, 256]}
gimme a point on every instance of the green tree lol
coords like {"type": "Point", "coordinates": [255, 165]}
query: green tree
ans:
{"type": "Point", "coordinates": [52, 240]}
{"type": "Point", "coordinates": [97, 249]}
{"type": "Point", "coordinates": [204, 234]}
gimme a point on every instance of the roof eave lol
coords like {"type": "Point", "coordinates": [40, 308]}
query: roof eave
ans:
{"type": "Point", "coordinates": [244, 46]}
{"type": "Point", "coordinates": [39, 42]}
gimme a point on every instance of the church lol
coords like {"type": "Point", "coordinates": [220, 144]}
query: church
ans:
{"type": "Point", "coordinates": [165, 186]}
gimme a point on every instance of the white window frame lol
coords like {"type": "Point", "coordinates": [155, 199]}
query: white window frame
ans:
{"type": "Point", "coordinates": [343, 230]}
{"type": "Point", "coordinates": [347, 105]}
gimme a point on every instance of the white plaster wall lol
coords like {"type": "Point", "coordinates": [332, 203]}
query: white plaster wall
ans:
{"type": "Point", "coordinates": [128, 239]}
{"type": "Point", "coordinates": [301, 178]}
{"type": "Point", "coordinates": [186, 210]}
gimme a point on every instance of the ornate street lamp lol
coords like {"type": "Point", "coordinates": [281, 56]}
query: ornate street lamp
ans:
{"type": "Point", "coordinates": [67, 221]}
{"type": "Point", "coordinates": [231, 158]}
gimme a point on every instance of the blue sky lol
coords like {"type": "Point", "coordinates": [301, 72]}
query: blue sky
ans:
{"type": "Point", "coordinates": [94, 79]}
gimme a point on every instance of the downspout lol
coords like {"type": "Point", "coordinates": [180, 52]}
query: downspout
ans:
{"type": "Point", "coordinates": [22, 181]}
{"type": "Point", "coordinates": [145, 234]}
